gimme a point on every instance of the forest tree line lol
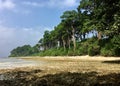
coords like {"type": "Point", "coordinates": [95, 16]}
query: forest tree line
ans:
{"type": "Point", "coordinates": [91, 29]}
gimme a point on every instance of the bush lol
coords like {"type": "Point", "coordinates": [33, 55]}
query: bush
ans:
{"type": "Point", "coordinates": [70, 52]}
{"type": "Point", "coordinates": [63, 52]}
{"type": "Point", "coordinates": [90, 47]}
{"type": "Point", "coordinates": [108, 49]}
{"type": "Point", "coordinates": [83, 50]}
{"type": "Point", "coordinates": [94, 50]}
{"type": "Point", "coordinates": [91, 51]}
{"type": "Point", "coordinates": [107, 52]}
{"type": "Point", "coordinates": [116, 43]}
{"type": "Point", "coordinates": [53, 52]}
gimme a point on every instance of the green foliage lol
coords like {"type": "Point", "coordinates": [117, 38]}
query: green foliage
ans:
{"type": "Point", "coordinates": [53, 52]}
{"type": "Point", "coordinates": [116, 41]}
{"type": "Point", "coordinates": [25, 50]}
{"type": "Point", "coordinates": [106, 52]}
{"type": "Point", "coordinates": [21, 51]}
{"type": "Point", "coordinates": [111, 47]}
{"type": "Point", "coordinates": [71, 52]}
{"type": "Point", "coordinates": [94, 50]}
{"type": "Point", "coordinates": [82, 48]}
{"type": "Point", "coordinates": [100, 16]}
{"type": "Point", "coordinates": [116, 44]}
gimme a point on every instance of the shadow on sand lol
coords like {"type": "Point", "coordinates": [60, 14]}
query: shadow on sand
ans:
{"type": "Point", "coordinates": [112, 62]}
{"type": "Point", "coordinates": [62, 79]}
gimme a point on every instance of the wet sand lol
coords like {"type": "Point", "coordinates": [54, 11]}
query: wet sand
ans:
{"type": "Point", "coordinates": [12, 63]}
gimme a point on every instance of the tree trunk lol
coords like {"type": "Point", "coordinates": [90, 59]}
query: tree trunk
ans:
{"type": "Point", "coordinates": [99, 35]}
{"type": "Point", "coordinates": [69, 42]}
{"type": "Point", "coordinates": [61, 43]}
{"type": "Point", "coordinates": [83, 35]}
{"type": "Point", "coordinates": [73, 37]}
{"type": "Point", "coordinates": [64, 44]}
{"type": "Point", "coordinates": [58, 44]}
{"type": "Point", "coordinates": [45, 47]}
{"type": "Point", "coordinates": [80, 37]}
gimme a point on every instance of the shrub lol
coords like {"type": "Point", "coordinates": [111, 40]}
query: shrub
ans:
{"type": "Point", "coordinates": [91, 51]}
{"type": "Point", "coordinates": [53, 52]}
{"type": "Point", "coordinates": [70, 52]}
{"type": "Point", "coordinates": [107, 52]}
{"type": "Point", "coordinates": [108, 49]}
{"type": "Point", "coordinates": [116, 43]}
{"type": "Point", "coordinates": [83, 50]}
{"type": "Point", "coordinates": [63, 52]}
{"type": "Point", "coordinates": [94, 50]}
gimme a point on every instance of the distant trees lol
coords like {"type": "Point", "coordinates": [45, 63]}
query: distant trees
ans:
{"type": "Point", "coordinates": [25, 50]}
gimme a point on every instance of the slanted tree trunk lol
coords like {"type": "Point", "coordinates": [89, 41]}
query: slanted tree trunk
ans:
{"type": "Point", "coordinates": [73, 37]}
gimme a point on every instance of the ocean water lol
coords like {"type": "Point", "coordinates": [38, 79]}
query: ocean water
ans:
{"type": "Point", "coordinates": [9, 63]}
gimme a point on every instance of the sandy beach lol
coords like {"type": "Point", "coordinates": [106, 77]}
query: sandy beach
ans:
{"type": "Point", "coordinates": [102, 66]}
{"type": "Point", "coordinates": [71, 63]}
{"type": "Point", "coordinates": [79, 63]}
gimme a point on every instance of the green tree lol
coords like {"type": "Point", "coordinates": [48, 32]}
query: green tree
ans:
{"type": "Point", "coordinates": [21, 51]}
{"type": "Point", "coordinates": [46, 39]}
{"type": "Point", "coordinates": [69, 18]}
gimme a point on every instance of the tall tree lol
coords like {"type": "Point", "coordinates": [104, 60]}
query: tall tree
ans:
{"type": "Point", "coordinates": [46, 39]}
{"type": "Point", "coordinates": [63, 35]}
{"type": "Point", "coordinates": [69, 19]}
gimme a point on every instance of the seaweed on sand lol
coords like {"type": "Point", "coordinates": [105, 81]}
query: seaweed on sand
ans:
{"type": "Point", "coordinates": [62, 79]}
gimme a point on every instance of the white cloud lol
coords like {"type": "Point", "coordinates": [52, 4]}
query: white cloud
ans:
{"type": "Point", "coordinates": [53, 3]}
{"type": "Point", "coordinates": [7, 4]}
{"type": "Point", "coordinates": [70, 3]}
{"type": "Point", "coordinates": [33, 4]}
{"type": "Point", "coordinates": [13, 37]}
{"type": "Point", "coordinates": [13, 6]}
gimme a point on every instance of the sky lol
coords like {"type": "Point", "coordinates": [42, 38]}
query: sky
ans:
{"type": "Point", "coordinates": [24, 21]}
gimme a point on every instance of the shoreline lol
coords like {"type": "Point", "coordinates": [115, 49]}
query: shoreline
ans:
{"type": "Point", "coordinates": [86, 57]}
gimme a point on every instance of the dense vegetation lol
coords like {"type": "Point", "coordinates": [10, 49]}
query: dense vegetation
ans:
{"type": "Point", "coordinates": [25, 50]}
{"type": "Point", "coordinates": [93, 28]}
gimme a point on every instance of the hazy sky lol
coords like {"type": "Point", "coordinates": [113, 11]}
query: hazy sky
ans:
{"type": "Point", "coordinates": [24, 21]}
